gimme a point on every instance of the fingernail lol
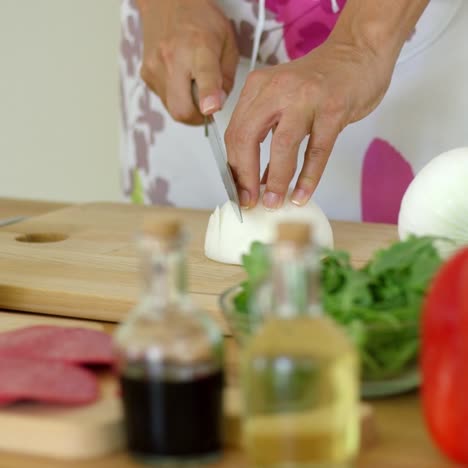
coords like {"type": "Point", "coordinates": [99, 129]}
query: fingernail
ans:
{"type": "Point", "coordinates": [223, 98]}
{"type": "Point", "coordinates": [271, 201]}
{"type": "Point", "coordinates": [299, 197]}
{"type": "Point", "coordinates": [244, 198]}
{"type": "Point", "coordinates": [209, 104]}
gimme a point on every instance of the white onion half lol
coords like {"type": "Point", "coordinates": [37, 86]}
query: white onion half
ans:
{"type": "Point", "coordinates": [227, 239]}
{"type": "Point", "coordinates": [436, 201]}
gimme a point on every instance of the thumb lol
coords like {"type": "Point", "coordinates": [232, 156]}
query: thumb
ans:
{"type": "Point", "coordinates": [208, 76]}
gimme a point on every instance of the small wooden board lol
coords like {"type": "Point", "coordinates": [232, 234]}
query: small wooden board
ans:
{"type": "Point", "coordinates": [60, 431]}
{"type": "Point", "coordinates": [93, 272]}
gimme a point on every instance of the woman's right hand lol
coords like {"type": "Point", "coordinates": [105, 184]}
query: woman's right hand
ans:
{"type": "Point", "coordinates": [184, 41]}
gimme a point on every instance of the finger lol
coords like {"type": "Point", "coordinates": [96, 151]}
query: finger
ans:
{"type": "Point", "coordinates": [243, 138]}
{"type": "Point", "coordinates": [208, 75]}
{"type": "Point", "coordinates": [246, 176]}
{"type": "Point", "coordinates": [153, 73]}
{"type": "Point", "coordinates": [178, 88]}
{"type": "Point", "coordinates": [322, 139]}
{"type": "Point", "coordinates": [180, 101]}
{"type": "Point", "coordinates": [229, 61]}
{"type": "Point", "coordinates": [293, 126]}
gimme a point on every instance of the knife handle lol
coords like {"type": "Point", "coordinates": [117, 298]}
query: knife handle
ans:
{"type": "Point", "coordinates": [195, 95]}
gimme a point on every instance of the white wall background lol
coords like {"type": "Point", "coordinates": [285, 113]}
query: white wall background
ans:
{"type": "Point", "coordinates": [59, 114]}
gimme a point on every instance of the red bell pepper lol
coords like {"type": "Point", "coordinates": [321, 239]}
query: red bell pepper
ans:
{"type": "Point", "coordinates": [444, 358]}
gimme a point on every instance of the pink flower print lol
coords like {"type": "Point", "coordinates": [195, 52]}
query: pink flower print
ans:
{"type": "Point", "coordinates": [131, 182]}
{"type": "Point", "coordinates": [275, 5]}
{"type": "Point", "coordinates": [133, 6]}
{"type": "Point", "coordinates": [158, 191]}
{"type": "Point", "coordinates": [148, 116]}
{"type": "Point", "coordinates": [312, 36]}
{"type": "Point", "coordinates": [272, 59]}
{"type": "Point", "coordinates": [245, 37]}
{"type": "Point", "coordinates": [141, 150]}
{"type": "Point", "coordinates": [130, 44]}
{"type": "Point", "coordinates": [385, 177]}
{"type": "Point", "coordinates": [306, 23]}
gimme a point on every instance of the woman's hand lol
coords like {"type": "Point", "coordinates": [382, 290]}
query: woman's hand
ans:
{"type": "Point", "coordinates": [338, 83]}
{"type": "Point", "coordinates": [319, 95]}
{"type": "Point", "coordinates": [185, 40]}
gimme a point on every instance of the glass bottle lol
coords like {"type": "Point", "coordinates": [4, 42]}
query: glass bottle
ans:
{"type": "Point", "coordinates": [169, 360]}
{"type": "Point", "coordinates": [300, 370]}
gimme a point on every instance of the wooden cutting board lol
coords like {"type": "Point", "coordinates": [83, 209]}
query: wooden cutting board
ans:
{"type": "Point", "coordinates": [81, 261]}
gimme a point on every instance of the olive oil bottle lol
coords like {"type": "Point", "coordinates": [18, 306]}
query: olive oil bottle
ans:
{"type": "Point", "coordinates": [300, 371]}
{"type": "Point", "coordinates": [169, 359]}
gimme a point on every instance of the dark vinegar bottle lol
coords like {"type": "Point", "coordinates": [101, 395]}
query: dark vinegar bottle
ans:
{"type": "Point", "coordinates": [170, 359]}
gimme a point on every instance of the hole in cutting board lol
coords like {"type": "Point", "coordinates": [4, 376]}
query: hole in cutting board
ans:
{"type": "Point", "coordinates": [42, 237]}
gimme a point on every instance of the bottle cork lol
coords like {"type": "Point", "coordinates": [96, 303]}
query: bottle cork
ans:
{"type": "Point", "coordinates": [294, 232]}
{"type": "Point", "coordinates": [162, 227]}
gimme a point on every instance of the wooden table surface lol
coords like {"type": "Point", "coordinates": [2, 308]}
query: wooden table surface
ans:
{"type": "Point", "coordinates": [403, 441]}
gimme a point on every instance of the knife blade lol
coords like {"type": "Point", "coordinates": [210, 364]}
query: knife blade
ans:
{"type": "Point", "coordinates": [9, 221]}
{"type": "Point", "coordinates": [219, 153]}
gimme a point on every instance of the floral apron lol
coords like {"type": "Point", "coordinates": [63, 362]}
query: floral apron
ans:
{"type": "Point", "coordinates": [423, 113]}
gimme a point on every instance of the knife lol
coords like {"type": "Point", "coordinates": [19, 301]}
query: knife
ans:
{"type": "Point", "coordinates": [14, 220]}
{"type": "Point", "coordinates": [217, 147]}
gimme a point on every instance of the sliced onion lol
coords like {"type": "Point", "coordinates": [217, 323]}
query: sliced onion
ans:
{"type": "Point", "coordinates": [227, 239]}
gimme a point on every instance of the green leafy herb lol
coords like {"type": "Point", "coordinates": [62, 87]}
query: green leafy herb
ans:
{"type": "Point", "coordinates": [257, 266]}
{"type": "Point", "coordinates": [138, 194]}
{"type": "Point", "coordinates": [379, 305]}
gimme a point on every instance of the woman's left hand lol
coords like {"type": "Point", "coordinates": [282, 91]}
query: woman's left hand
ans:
{"type": "Point", "coordinates": [317, 95]}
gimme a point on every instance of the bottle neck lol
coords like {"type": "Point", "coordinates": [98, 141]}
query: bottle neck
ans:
{"type": "Point", "coordinates": [295, 281]}
{"type": "Point", "coordinates": [164, 273]}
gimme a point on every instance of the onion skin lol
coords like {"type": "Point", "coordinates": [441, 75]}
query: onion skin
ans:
{"type": "Point", "coordinates": [436, 202]}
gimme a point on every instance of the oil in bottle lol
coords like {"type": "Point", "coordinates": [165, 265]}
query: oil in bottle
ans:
{"type": "Point", "coordinates": [300, 370]}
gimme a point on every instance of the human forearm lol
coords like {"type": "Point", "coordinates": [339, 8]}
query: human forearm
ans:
{"type": "Point", "coordinates": [382, 26]}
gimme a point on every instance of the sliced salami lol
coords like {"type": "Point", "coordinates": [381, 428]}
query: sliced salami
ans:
{"type": "Point", "coordinates": [49, 382]}
{"type": "Point", "coordinates": [53, 343]}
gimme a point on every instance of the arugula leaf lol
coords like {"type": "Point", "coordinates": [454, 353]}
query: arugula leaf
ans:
{"type": "Point", "coordinates": [378, 305]}
{"type": "Point", "coordinates": [400, 255]}
{"type": "Point", "coordinates": [257, 262]}
{"type": "Point", "coordinates": [257, 266]}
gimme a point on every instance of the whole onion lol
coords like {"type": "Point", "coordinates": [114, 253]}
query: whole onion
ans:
{"type": "Point", "coordinates": [436, 202]}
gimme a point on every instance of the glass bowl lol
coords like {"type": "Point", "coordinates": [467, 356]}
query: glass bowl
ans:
{"type": "Point", "coordinates": [378, 379]}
